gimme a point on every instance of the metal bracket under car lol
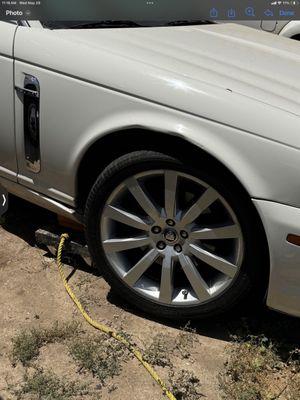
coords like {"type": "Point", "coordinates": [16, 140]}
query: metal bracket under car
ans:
{"type": "Point", "coordinates": [52, 240]}
{"type": "Point", "coordinates": [3, 200]}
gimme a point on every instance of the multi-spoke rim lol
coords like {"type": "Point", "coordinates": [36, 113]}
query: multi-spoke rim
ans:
{"type": "Point", "coordinates": [183, 250]}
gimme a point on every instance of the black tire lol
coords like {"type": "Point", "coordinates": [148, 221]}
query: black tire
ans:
{"type": "Point", "coordinates": [250, 284]}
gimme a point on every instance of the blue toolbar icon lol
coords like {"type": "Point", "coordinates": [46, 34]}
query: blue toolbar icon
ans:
{"type": "Point", "coordinates": [214, 13]}
{"type": "Point", "coordinates": [269, 13]}
{"type": "Point", "coordinates": [250, 12]}
{"type": "Point", "coordinates": [231, 13]}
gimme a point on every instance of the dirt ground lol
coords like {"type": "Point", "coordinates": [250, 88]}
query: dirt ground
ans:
{"type": "Point", "coordinates": [32, 297]}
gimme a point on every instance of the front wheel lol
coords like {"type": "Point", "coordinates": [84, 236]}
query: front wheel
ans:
{"type": "Point", "coordinates": [173, 241]}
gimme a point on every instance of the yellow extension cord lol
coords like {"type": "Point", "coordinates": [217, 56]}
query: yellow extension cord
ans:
{"type": "Point", "coordinates": [104, 328]}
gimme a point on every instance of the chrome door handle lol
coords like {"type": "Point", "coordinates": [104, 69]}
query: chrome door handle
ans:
{"type": "Point", "coordinates": [27, 92]}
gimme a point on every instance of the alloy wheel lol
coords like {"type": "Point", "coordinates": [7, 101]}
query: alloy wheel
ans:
{"type": "Point", "coordinates": [172, 238]}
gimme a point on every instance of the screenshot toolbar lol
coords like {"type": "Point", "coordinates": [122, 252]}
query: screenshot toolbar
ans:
{"type": "Point", "coordinates": [149, 9]}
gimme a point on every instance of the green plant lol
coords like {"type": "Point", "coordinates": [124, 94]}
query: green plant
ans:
{"type": "Point", "coordinates": [27, 344]}
{"type": "Point", "coordinates": [101, 355]}
{"type": "Point", "coordinates": [43, 385]}
{"type": "Point", "coordinates": [255, 364]}
{"type": "Point", "coordinates": [185, 385]}
{"type": "Point", "coordinates": [159, 350]}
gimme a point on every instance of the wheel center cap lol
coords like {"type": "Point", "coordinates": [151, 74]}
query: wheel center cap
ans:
{"type": "Point", "coordinates": [170, 235]}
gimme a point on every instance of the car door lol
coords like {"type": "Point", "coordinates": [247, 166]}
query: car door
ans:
{"type": "Point", "coordinates": [43, 108]}
{"type": "Point", "coordinates": [8, 162]}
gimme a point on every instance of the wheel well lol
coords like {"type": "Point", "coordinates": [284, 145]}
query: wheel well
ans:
{"type": "Point", "coordinates": [296, 37]}
{"type": "Point", "coordinates": [116, 144]}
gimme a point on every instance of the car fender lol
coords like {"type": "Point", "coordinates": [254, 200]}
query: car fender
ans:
{"type": "Point", "coordinates": [264, 168]}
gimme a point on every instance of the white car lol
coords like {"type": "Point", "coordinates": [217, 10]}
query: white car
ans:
{"type": "Point", "coordinates": [289, 29]}
{"type": "Point", "coordinates": [177, 146]}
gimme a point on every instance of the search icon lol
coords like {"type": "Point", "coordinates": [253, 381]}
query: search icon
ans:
{"type": "Point", "coordinates": [250, 12]}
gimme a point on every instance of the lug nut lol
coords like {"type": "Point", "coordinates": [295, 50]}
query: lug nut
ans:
{"type": "Point", "coordinates": [170, 222]}
{"type": "Point", "coordinates": [178, 248]}
{"type": "Point", "coordinates": [161, 245]}
{"type": "Point", "coordinates": [156, 230]}
{"type": "Point", "coordinates": [184, 234]}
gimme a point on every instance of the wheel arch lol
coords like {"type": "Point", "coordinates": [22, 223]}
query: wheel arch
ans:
{"type": "Point", "coordinates": [103, 151]}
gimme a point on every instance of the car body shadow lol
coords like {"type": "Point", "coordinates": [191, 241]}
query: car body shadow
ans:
{"type": "Point", "coordinates": [232, 325]}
